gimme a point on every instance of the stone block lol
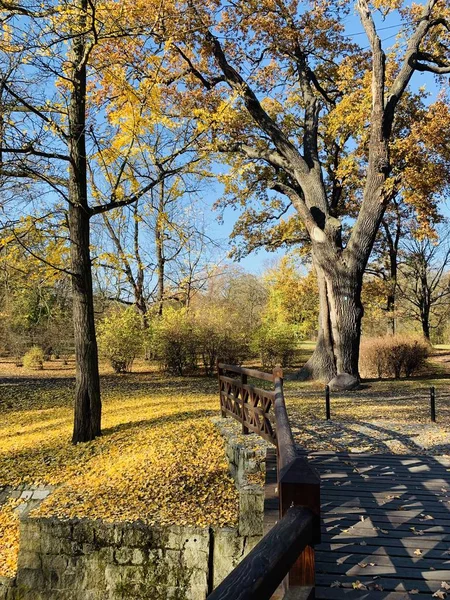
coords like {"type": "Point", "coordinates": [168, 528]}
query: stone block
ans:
{"type": "Point", "coordinates": [40, 494]}
{"type": "Point", "coordinates": [138, 557]}
{"type": "Point", "coordinates": [83, 532]}
{"type": "Point", "coordinates": [179, 537]}
{"type": "Point", "coordinates": [29, 559]}
{"type": "Point", "coordinates": [228, 551]}
{"type": "Point", "coordinates": [251, 510]}
{"type": "Point", "coordinates": [107, 534]}
{"type": "Point", "coordinates": [30, 536]}
{"type": "Point", "coordinates": [124, 555]}
{"type": "Point", "coordinates": [30, 579]}
{"type": "Point", "coordinates": [113, 579]}
{"type": "Point", "coordinates": [138, 535]}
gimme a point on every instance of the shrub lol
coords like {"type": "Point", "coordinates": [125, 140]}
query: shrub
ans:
{"type": "Point", "coordinates": [120, 338]}
{"type": "Point", "coordinates": [174, 341]}
{"type": "Point", "coordinates": [275, 344]}
{"type": "Point", "coordinates": [218, 338]}
{"type": "Point", "coordinates": [34, 358]}
{"type": "Point", "coordinates": [393, 356]}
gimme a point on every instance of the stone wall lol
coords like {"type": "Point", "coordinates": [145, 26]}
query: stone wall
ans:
{"type": "Point", "coordinates": [79, 559]}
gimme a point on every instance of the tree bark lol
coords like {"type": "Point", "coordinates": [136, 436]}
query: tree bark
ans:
{"type": "Point", "coordinates": [159, 246]}
{"type": "Point", "coordinates": [341, 311]}
{"type": "Point", "coordinates": [87, 422]}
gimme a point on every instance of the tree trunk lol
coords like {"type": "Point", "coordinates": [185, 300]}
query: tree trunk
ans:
{"type": "Point", "coordinates": [392, 294]}
{"type": "Point", "coordinates": [341, 311]}
{"type": "Point", "coordinates": [159, 245]}
{"type": "Point", "coordinates": [87, 422]}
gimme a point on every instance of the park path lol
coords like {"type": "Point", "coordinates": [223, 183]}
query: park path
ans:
{"type": "Point", "coordinates": [385, 525]}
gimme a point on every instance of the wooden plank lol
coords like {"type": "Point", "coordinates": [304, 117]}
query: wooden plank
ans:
{"type": "Point", "coordinates": [388, 584]}
{"type": "Point", "coordinates": [386, 542]}
{"type": "Point", "coordinates": [369, 490]}
{"type": "Point", "coordinates": [407, 573]}
{"type": "Point", "coordinates": [323, 455]}
{"type": "Point", "coordinates": [332, 594]}
{"type": "Point", "coordinates": [380, 560]}
{"type": "Point", "coordinates": [249, 372]}
{"type": "Point", "coordinates": [334, 550]}
{"type": "Point", "coordinates": [382, 520]}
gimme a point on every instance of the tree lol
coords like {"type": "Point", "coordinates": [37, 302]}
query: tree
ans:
{"type": "Point", "coordinates": [55, 104]}
{"type": "Point", "coordinates": [421, 164]}
{"type": "Point", "coordinates": [425, 283]}
{"type": "Point", "coordinates": [292, 298]}
{"type": "Point", "coordinates": [35, 296]}
{"type": "Point", "coordinates": [330, 94]}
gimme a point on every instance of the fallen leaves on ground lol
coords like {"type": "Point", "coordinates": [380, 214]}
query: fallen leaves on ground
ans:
{"type": "Point", "coordinates": [9, 537]}
{"type": "Point", "coordinates": [160, 458]}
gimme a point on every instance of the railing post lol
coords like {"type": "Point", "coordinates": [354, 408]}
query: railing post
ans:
{"type": "Point", "coordinates": [327, 402]}
{"type": "Point", "coordinates": [219, 373]}
{"type": "Point", "coordinates": [243, 397]}
{"type": "Point", "coordinates": [433, 404]}
{"type": "Point", "coordinates": [298, 485]}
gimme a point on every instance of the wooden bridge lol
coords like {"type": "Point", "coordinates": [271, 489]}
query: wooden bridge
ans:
{"type": "Point", "coordinates": [384, 528]}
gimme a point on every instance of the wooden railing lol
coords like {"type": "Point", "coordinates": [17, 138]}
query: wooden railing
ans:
{"type": "Point", "coordinates": [286, 553]}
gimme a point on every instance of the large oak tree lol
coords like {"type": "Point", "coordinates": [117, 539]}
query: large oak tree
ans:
{"type": "Point", "coordinates": [288, 95]}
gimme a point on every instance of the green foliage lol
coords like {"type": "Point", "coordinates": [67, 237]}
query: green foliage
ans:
{"type": "Point", "coordinates": [275, 344]}
{"type": "Point", "coordinates": [34, 358]}
{"type": "Point", "coordinates": [174, 341]}
{"type": "Point", "coordinates": [393, 356]}
{"type": "Point", "coordinates": [120, 338]}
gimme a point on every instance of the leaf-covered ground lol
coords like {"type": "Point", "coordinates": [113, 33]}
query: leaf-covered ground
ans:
{"type": "Point", "coordinates": [160, 458]}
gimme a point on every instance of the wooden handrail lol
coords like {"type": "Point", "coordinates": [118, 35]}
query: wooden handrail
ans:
{"type": "Point", "coordinates": [249, 372]}
{"type": "Point", "coordinates": [259, 574]}
{"type": "Point", "coordinates": [285, 440]}
{"type": "Point", "coordinates": [298, 482]}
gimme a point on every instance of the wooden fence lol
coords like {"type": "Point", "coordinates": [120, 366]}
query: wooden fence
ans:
{"type": "Point", "coordinates": [286, 553]}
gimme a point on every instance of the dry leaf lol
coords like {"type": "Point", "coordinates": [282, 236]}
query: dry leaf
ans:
{"type": "Point", "coordinates": [357, 585]}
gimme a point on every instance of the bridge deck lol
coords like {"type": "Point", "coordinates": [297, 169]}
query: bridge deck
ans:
{"type": "Point", "coordinates": [385, 525]}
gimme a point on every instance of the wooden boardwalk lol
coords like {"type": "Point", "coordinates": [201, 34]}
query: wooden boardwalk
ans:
{"type": "Point", "coordinates": [385, 525]}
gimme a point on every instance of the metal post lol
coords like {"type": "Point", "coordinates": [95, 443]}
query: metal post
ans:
{"type": "Point", "coordinates": [327, 402]}
{"type": "Point", "coordinates": [433, 404]}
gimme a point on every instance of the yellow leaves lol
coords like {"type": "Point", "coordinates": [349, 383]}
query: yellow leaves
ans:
{"type": "Point", "coordinates": [160, 458]}
{"type": "Point", "coordinates": [9, 537]}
